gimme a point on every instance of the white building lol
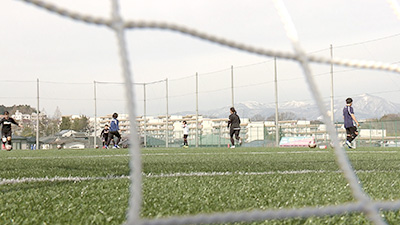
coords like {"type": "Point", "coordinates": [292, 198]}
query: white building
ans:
{"type": "Point", "coordinates": [19, 116]}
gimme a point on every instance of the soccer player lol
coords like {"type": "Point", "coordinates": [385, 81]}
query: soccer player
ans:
{"type": "Point", "coordinates": [104, 135]}
{"type": "Point", "coordinates": [349, 120]}
{"type": "Point", "coordinates": [234, 125]}
{"type": "Point", "coordinates": [6, 128]}
{"type": "Point", "coordinates": [114, 128]}
{"type": "Point", "coordinates": [185, 134]}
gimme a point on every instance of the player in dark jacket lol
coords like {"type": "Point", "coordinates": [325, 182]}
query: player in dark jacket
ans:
{"type": "Point", "coordinates": [104, 135]}
{"type": "Point", "coordinates": [350, 122]}
{"type": "Point", "coordinates": [6, 128]}
{"type": "Point", "coordinates": [234, 125]}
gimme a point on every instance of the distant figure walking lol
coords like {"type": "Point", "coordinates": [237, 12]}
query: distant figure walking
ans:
{"type": "Point", "coordinates": [349, 120]}
{"type": "Point", "coordinates": [234, 125]}
{"type": "Point", "coordinates": [114, 128]}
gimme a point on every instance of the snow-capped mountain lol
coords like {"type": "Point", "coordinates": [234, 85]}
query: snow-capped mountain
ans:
{"type": "Point", "coordinates": [365, 106]}
{"type": "Point", "coordinates": [369, 106]}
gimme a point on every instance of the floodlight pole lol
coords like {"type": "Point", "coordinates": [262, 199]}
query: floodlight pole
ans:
{"type": "Point", "coordinates": [166, 120]}
{"type": "Point", "coordinates": [95, 114]}
{"type": "Point", "coordinates": [38, 113]}
{"type": "Point", "coordinates": [276, 106]}
{"type": "Point", "coordinates": [197, 110]}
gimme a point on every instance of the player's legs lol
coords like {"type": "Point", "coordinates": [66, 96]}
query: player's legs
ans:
{"type": "Point", "coordinates": [104, 141]}
{"type": "Point", "coordinates": [237, 136]}
{"type": "Point", "coordinates": [3, 140]}
{"type": "Point", "coordinates": [185, 143]}
{"type": "Point", "coordinates": [348, 133]}
{"type": "Point", "coordinates": [231, 133]}
{"type": "Point", "coordinates": [118, 138]}
{"type": "Point", "coordinates": [348, 138]}
{"type": "Point", "coordinates": [9, 140]}
{"type": "Point", "coordinates": [8, 134]}
{"type": "Point", "coordinates": [110, 137]}
{"type": "Point", "coordinates": [353, 133]}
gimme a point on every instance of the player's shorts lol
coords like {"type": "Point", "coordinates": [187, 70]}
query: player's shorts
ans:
{"type": "Point", "coordinates": [111, 134]}
{"type": "Point", "coordinates": [233, 131]}
{"type": "Point", "coordinates": [185, 136]}
{"type": "Point", "coordinates": [351, 130]}
{"type": "Point", "coordinates": [6, 133]}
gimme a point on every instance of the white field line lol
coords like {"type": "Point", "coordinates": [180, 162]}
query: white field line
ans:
{"type": "Point", "coordinates": [190, 174]}
{"type": "Point", "coordinates": [194, 153]}
{"type": "Point", "coordinates": [68, 157]}
{"type": "Point", "coordinates": [57, 179]}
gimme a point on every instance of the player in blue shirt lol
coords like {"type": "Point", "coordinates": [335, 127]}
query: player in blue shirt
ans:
{"type": "Point", "coordinates": [114, 128]}
{"type": "Point", "coordinates": [349, 120]}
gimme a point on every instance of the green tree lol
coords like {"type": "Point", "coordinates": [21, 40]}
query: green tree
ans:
{"type": "Point", "coordinates": [80, 124]}
{"type": "Point", "coordinates": [48, 127]}
{"type": "Point", "coordinates": [65, 123]}
{"type": "Point", "coordinates": [28, 131]}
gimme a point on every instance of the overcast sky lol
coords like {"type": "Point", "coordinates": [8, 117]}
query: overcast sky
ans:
{"type": "Point", "coordinates": [68, 56]}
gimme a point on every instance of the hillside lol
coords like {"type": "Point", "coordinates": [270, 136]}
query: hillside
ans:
{"type": "Point", "coordinates": [25, 109]}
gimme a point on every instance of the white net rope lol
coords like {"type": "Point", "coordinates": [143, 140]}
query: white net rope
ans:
{"type": "Point", "coordinates": [363, 202]}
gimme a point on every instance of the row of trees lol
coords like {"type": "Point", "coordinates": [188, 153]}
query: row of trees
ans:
{"type": "Point", "coordinates": [51, 126]}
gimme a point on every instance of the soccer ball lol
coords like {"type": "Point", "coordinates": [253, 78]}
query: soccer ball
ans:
{"type": "Point", "coordinates": [59, 146]}
{"type": "Point", "coordinates": [312, 144]}
{"type": "Point", "coordinates": [8, 147]}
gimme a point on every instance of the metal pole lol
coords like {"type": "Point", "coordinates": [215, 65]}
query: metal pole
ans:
{"type": "Point", "coordinates": [37, 119]}
{"type": "Point", "coordinates": [332, 109]}
{"type": "Point", "coordinates": [144, 116]}
{"type": "Point", "coordinates": [370, 134]}
{"type": "Point", "coordinates": [95, 114]}
{"type": "Point", "coordinates": [219, 140]}
{"type": "Point", "coordinates": [197, 110]}
{"type": "Point", "coordinates": [383, 136]}
{"type": "Point", "coordinates": [233, 96]}
{"type": "Point", "coordinates": [395, 132]}
{"type": "Point", "coordinates": [276, 106]}
{"type": "Point", "coordinates": [166, 120]}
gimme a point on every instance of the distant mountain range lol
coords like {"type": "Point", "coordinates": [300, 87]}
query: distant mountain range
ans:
{"type": "Point", "coordinates": [365, 106]}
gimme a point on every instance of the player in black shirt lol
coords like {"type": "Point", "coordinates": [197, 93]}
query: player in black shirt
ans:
{"type": "Point", "coordinates": [234, 125]}
{"type": "Point", "coordinates": [6, 128]}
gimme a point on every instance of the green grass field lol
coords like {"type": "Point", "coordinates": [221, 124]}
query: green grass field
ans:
{"type": "Point", "coordinates": [91, 186]}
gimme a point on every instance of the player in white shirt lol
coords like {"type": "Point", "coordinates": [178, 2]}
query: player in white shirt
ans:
{"type": "Point", "coordinates": [185, 134]}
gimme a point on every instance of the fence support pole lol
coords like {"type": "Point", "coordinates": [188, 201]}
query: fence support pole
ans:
{"type": "Point", "coordinates": [383, 136]}
{"type": "Point", "coordinates": [144, 116]}
{"type": "Point", "coordinates": [95, 114]}
{"type": "Point", "coordinates": [38, 115]}
{"type": "Point", "coordinates": [233, 96]}
{"type": "Point", "coordinates": [166, 119]}
{"type": "Point", "coordinates": [332, 107]}
{"type": "Point", "coordinates": [395, 132]}
{"type": "Point", "coordinates": [276, 106]}
{"type": "Point", "coordinates": [370, 134]}
{"type": "Point", "coordinates": [197, 110]}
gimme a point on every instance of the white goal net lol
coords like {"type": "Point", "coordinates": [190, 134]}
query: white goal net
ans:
{"type": "Point", "coordinates": [363, 203]}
